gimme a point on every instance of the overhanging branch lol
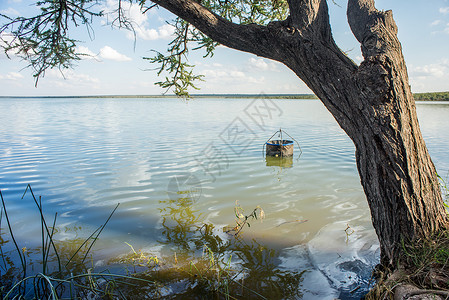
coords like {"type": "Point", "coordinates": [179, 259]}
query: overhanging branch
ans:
{"type": "Point", "coordinates": [252, 38]}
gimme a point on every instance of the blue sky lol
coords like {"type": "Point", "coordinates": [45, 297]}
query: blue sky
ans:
{"type": "Point", "coordinates": [118, 67]}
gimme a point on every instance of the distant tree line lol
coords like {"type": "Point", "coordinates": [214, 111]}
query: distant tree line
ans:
{"type": "Point", "coordinates": [438, 96]}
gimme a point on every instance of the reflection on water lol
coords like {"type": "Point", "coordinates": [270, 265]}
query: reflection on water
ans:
{"type": "Point", "coordinates": [180, 225]}
{"type": "Point", "coordinates": [86, 155]}
{"type": "Point", "coordinates": [184, 184]}
{"type": "Point", "coordinates": [251, 268]}
{"type": "Point", "coordinates": [201, 262]}
{"type": "Point", "coordinates": [283, 162]}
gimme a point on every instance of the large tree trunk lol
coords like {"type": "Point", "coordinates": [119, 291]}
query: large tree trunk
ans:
{"type": "Point", "coordinates": [371, 102]}
{"type": "Point", "coordinates": [397, 174]}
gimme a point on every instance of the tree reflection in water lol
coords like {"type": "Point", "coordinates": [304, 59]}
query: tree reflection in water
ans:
{"type": "Point", "coordinates": [205, 263]}
{"type": "Point", "coordinates": [208, 263]}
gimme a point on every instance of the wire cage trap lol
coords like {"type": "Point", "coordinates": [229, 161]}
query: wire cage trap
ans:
{"type": "Point", "coordinates": [280, 147]}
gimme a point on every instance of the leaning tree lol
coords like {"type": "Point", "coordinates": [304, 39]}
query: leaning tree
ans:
{"type": "Point", "coordinates": [372, 102]}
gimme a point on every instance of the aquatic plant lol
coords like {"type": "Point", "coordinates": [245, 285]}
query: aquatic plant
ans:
{"type": "Point", "coordinates": [241, 219]}
{"type": "Point", "coordinates": [445, 191]}
{"type": "Point", "coordinates": [209, 265]}
{"type": "Point", "coordinates": [48, 271]}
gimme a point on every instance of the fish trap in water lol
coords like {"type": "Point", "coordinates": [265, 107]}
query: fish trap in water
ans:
{"type": "Point", "coordinates": [280, 147]}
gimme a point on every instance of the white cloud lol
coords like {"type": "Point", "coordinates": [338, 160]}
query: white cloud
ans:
{"type": "Point", "coordinates": [166, 31]}
{"type": "Point", "coordinates": [432, 70]}
{"type": "Point", "coordinates": [260, 64]}
{"type": "Point", "coordinates": [237, 74]}
{"type": "Point", "coordinates": [69, 79]}
{"type": "Point", "coordinates": [5, 40]}
{"type": "Point", "coordinates": [439, 31]}
{"type": "Point", "coordinates": [145, 34]}
{"type": "Point", "coordinates": [212, 74]}
{"type": "Point", "coordinates": [83, 80]}
{"type": "Point", "coordinates": [444, 10]}
{"type": "Point", "coordinates": [139, 22]}
{"type": "Point", "coordinates": [431, 77]}
{"type": "Point", "coordinates": [11, 76]}
{"type": "Point", "coordinates": [85, 52]}
{"type": "Point", "coordinates": [10, 12]}
{"type": "Point", "coordinates": [150, 34]}
{"type": "Point", "coordinates": [8, 40]}
{"type": "Point", "coordinates": [108, 53]}
{"type": "Point", "coordinates": [228, 76]}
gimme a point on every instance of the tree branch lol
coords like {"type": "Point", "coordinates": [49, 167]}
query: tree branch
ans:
{"type": "Point", "coordinates": [374, 29]}
{"type": "Point", "coordinates": [252, 38]}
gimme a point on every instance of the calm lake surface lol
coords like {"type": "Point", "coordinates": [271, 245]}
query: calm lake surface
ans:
{"type": "Point", "coordinates": [175, 165]}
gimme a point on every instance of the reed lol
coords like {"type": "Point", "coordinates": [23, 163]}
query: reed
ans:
{"type": "Point", "coordinates": [45, 283]}
{"type": "Point", "coordinates": [62, 270]}
{"type": "Point", "coordinates": [444, 190]}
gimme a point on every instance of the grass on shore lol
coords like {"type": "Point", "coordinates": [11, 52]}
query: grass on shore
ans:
{"type": "Point", "coordinates": [424, 265]}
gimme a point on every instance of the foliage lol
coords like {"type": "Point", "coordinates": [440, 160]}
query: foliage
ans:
{"type": "Point", "coordinates": [427, 261]}
{"type": "Point", "coordinates": [44, 42]}
{"type": "Point", "coordinates": [438, 96]}
{"type": "Point", "coordinates": [424, 264]}
{"type": "Point", "coordinates": [445, 192]}
{"type": "Point", "coordinates": [141, 259]}
{"type": "Point", "coordinates": [181, 76]}
{"type": "Point", "coordinates": [175, 62]}
{"type": "Point", "coordinates": [206, 264]}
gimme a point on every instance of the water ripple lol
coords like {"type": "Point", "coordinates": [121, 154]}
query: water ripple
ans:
{"type": "Point", "coordinates": [85, 156]}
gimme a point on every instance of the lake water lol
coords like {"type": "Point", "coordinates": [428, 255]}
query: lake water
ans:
{"type": "Point", "coordinates": [174, 166]}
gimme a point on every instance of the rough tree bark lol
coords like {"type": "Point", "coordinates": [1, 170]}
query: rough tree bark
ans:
{"type": "Point", "coordinates": [371, 102]}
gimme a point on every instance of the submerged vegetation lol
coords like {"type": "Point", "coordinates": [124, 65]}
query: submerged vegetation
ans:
{"type": "Point", "coordinates": [53, 269]}
{"type": "Point", "coordinates": [205, 262]}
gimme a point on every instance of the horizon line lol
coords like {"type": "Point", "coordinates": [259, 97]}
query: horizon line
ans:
{"type": "Point", "coordinates": [163, 96]}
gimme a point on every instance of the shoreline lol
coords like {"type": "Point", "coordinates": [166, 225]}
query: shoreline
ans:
{"type": "Point", "coordinates": [427, 97]}
{"type": "Point", "coordinates": [221, 96]}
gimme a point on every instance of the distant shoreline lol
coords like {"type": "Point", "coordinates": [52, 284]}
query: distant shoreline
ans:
{"type": "Point", "coordinates": [435, 96]}
{"type": "Point", "coordinates": [438, 96]}
{"type": "Point", "coordinates": [238, 96]}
